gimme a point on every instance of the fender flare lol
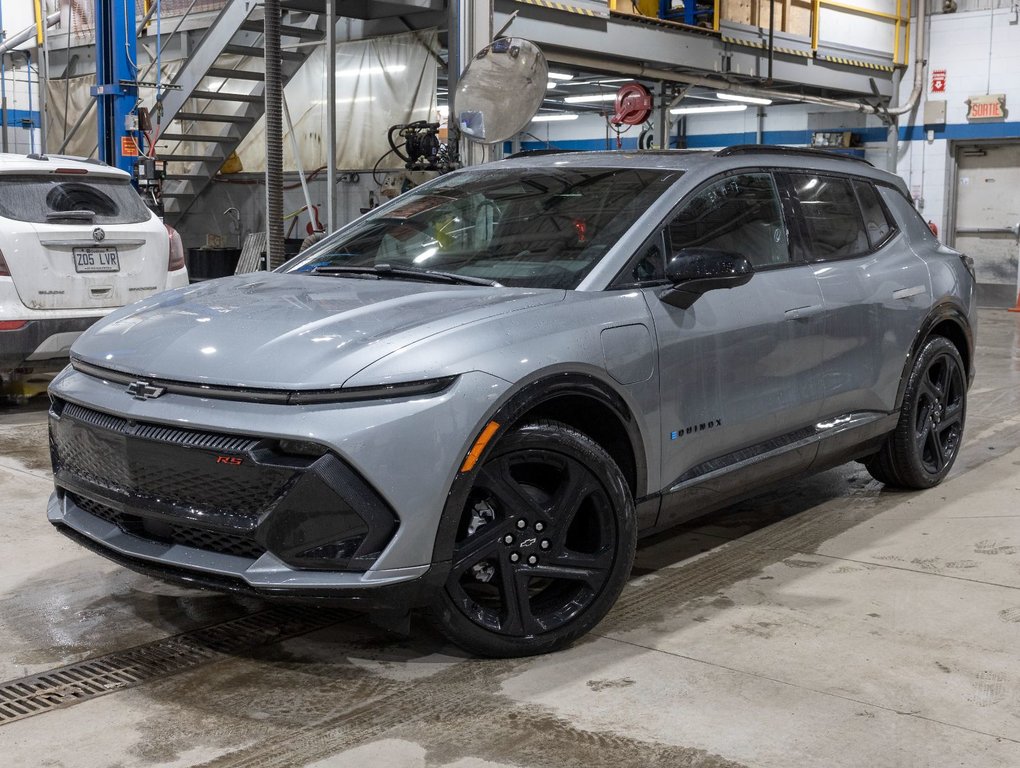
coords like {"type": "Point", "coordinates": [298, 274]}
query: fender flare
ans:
{"type": "Point", "coordinates": [514, 405]}
{"type": "Point", "coordinates": [946, 310]}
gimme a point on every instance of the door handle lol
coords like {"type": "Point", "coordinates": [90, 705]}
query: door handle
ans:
{"type": "Point", "coordinates": [803, 313]}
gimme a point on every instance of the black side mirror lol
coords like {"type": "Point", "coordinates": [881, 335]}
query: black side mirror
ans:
{"type": "Point", "coordinates": [693, 271]}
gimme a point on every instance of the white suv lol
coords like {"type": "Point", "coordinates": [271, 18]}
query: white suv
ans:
{"type": "Point", "coordinates": [76, 242]}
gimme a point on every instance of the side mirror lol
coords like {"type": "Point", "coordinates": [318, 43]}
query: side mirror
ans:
{"type": "Point", "coordinates": [693, 271]}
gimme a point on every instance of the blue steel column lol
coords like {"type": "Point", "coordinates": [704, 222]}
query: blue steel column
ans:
{"type": "Point", "coordinates": [116, 88]}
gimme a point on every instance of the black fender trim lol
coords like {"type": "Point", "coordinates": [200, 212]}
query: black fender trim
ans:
{"type": "Point", "coordinates": [509, 413]}
{"type": "Point", "coordinates": [946, 310]}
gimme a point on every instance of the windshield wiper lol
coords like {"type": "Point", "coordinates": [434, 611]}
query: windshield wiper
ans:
{"type": "Point", "coordinates": [407, 273]}
{"type": "Point", "coordinates": [82, 215]}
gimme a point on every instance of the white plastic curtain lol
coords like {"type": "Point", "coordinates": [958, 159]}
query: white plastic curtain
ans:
{"type": "Point", "coordinates": [379, 82]}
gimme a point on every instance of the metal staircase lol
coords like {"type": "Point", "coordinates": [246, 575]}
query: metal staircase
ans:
{"type": "Point", "coordinates": [217, 96]}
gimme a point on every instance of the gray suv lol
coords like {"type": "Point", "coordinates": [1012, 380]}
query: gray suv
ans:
{"type": "Point", "coordinates": [477, 397]}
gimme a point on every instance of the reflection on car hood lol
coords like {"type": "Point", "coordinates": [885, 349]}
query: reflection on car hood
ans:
{"type": "Point", "coordinates": [285, 330]}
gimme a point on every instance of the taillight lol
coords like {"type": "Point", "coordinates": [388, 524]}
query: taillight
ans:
{"type": "Point", "coordinates": [5, 271]}
{"type": "Point", "coordinates": [12, 325]}
{"type": "Point", "coordinates": [176, 258]}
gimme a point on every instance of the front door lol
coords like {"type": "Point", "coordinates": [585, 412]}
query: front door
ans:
{"type": "Point", "coordinates": [739, 367]}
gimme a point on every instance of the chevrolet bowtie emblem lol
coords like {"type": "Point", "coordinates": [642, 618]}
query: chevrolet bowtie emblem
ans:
{"type": "Point", "coordinates": [143, 390]}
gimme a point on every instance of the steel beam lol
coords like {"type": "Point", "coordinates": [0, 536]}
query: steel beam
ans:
{"type": "Point", "coordinates": [627, 41]}
{"type": "Point", "coordinates": [116, 90]}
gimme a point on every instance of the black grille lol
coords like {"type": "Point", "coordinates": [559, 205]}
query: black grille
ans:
{"type": "Point", "coordinates": [154, 463]}
{"type": "Point", "coordinates": [159, 432]}
{"type": "Point", "coordinates": [172, 533]}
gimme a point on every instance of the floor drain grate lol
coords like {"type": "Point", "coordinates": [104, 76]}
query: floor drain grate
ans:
{"type": "Point", "coordinates": [115, 671]}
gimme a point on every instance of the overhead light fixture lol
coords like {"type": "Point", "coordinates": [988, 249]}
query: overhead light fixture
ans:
{"type": "Point", "coordinates": [744, 99]}
{"type": "Point", "coordinates": [550, 85]}
{"type": "Point", "coordinates": [590, 98]}
{"type": "Point", "coordinates": [706, 110]}
{"type": "Point", "coordinates": [554, 118]}
{"type": "Point", "coordinates": [560, 76]}
{"type": "Point", "coordinates": [615, 80]}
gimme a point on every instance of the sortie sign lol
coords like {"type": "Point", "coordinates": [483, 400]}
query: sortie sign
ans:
{"type": "Point", "coordinates": [991, 106]}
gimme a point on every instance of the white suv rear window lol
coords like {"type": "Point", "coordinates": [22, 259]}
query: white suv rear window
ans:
{"type": "Point", "coordinates": [61, 199]}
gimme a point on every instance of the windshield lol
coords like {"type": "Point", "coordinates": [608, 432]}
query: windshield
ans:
{"type": "Point", "coordinates": [534, 227]}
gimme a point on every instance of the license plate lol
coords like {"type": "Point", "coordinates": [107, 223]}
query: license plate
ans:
{"type": "Point", "coordinates": [96, 260]}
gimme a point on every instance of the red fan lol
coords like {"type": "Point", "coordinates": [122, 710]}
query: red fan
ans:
{"type": "Point", "coordinates": [633, 105]}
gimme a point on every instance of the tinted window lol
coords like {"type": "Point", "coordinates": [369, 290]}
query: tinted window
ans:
{"type": "Point", "coordinates": [739, 214]}
{"type": "Point", "coordinates": [876, 220]}
{"type": "Point", "coordinates": [532, 227]}
{"type": "Point", "coordinates": [41, 199]}
{"type": "Point", "coordinates": [831, 216]}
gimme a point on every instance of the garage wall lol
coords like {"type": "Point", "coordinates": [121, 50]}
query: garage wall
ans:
{"type": "Point", "coordinates": [964, 45]}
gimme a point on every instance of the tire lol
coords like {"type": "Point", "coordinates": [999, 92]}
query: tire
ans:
{"type": "Point", "coordinates": [923, 447]}
{"type": "Point", "coordinates": [544, 546]}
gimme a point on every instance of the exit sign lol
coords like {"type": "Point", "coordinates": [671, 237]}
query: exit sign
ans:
{"type": "Point", "coordinates": [988, 107]}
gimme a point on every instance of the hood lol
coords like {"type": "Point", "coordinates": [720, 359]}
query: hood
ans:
{"type": "Point", "coordinates": [286, 331]}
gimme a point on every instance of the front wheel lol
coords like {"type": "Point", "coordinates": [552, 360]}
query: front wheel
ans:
{"type": "Point", "coordinates": [544, 545]}
{"type": "Point", "coordinates": [927, 439]}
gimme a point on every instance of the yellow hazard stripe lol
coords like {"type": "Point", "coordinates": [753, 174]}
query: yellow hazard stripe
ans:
{"type": "Point", "coordinates": [859, 63]}
{"type": "Point", "coordinates": [761, 44]}
{"type": "Point", "coordinates": [565, 7]}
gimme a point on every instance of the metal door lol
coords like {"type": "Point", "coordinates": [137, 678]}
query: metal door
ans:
{"type": "Point", "coordinates": [987, 220]}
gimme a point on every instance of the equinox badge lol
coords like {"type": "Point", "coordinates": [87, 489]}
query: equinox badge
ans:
{"type": "Point", "coordinates": [143, 390]}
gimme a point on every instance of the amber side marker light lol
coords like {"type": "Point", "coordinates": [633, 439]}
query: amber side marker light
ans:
{"type": "Point", "coordinates": [476, 450]}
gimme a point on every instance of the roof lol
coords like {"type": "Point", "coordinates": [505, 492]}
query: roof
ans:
{"type": "Point", "coordinates": [22, 164]}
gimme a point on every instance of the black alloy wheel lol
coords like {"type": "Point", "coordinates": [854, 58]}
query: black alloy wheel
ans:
{"type": "Point", "coordinates": [544, 546]}
{"type": "Point", "coordinates": [927, 439]}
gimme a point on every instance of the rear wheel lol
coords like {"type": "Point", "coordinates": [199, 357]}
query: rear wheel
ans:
{"type": "Point", "coordinates": [544, 545]}
{"type": "Point", "coordinates": [927, 439]}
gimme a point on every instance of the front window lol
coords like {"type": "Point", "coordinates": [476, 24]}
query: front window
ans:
{"type": "Point", "coordinates": [536, 227]}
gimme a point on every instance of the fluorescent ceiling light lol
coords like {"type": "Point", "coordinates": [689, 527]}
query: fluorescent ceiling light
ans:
{"type": "Point", "coordinates": [553, 118]}
{"type": "Point", "coordinates": [550, 85]}
{"type": "Point", "coordinates": [615, 80]}
{"type": "Point", "coordinates": [362, 71]}
{"type": "Point", "coordinates": [560, 76]}
{"type": "Point", "coordinates": [705, 110]}
{"type": "Point", "coordinates": [744, 99]}
{"type": "Point", "coordinates": [591, 98]}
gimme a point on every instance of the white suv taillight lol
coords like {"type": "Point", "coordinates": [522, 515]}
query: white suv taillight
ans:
{"type": "Point", "coordinates": [176, 259]}
{"type": "Point", "coordinates": [5, 271]}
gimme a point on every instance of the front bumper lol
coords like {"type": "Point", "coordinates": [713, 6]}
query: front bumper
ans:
{"type": "Point", "coordinates": [395, 589]}
{"type": "Point", "coordinates": [41, 340]}
{"type": "Point", "coordinates": [405, 451]}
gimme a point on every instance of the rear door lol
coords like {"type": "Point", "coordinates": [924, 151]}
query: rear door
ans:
{"type": "Point", "coordinates": [739, 368]}
{"type": "Point", "coordinates": [875, 290]}
{"type": "Point", "coordinates": [79, 240]}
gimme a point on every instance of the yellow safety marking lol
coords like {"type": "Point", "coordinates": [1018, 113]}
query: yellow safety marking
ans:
{"type": "Point", "coordinates": [565, 7]}
{"type": "Point", "coordinates": [859, 63]}
{"type": "Point", "coordinates": [762, 45]}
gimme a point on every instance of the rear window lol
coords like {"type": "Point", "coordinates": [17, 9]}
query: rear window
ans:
{"type": "Point", "coordinates": [60, 199]}
{"type": "Point", "coordinates": [831, 215]}
{"type": "Point", "coordinates": [876, 220]}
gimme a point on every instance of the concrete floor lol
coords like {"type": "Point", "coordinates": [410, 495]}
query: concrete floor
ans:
{"type": "Point", "coordinates": [832, 623]}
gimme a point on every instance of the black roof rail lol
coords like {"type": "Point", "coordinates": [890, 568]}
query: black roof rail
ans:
{"type": "Point", "coordinates": [538, 152]}
{"type": "Point", "coordinates": [772, 149]}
